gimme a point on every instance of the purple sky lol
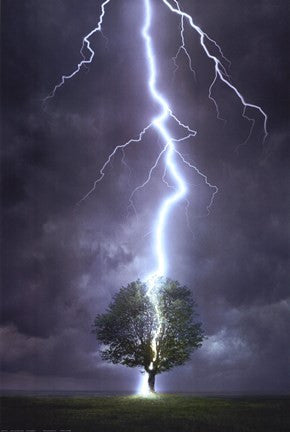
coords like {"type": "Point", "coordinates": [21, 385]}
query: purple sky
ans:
{"type": "Point", "coordinates": [61, 263]}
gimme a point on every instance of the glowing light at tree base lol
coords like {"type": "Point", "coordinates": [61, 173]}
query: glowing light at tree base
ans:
{"type": "Point", "coordinates": [144, 387]}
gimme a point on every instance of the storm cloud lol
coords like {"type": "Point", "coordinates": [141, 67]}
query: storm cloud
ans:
{"type": "Point", "coordinates": [62, 262]}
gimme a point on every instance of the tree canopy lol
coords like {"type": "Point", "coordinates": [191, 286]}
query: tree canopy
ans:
{"type": "Point", "coordinates": [131, 323]}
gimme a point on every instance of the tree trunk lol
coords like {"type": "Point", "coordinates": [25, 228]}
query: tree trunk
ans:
{"type": "Point", "coordinates": [151, 380]}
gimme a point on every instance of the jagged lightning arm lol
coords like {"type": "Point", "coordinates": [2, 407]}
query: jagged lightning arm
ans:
{"type": "Point", "coordinates": [219, 68]}
{"type": "Point", "coordinates": [85, 44]}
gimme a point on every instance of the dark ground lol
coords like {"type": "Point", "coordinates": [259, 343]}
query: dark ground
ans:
{"type": "Point", "coordinates": [166, 413]}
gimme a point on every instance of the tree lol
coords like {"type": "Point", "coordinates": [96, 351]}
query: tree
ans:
{"type": "Point", "coordinates": [132, 323]}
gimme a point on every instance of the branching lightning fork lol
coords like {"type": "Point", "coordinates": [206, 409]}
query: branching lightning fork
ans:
{"type": "Point", "coordinates": [170, 153]}
{"type": "Point", "coordinates": [220, 71]}
{"type": "Point", "coordinates": [85, 61]}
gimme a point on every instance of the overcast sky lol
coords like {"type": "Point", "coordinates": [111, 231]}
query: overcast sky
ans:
{"type": "Point", "coordinates": [61, 263]}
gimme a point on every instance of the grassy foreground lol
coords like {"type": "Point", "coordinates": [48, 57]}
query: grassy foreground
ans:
{"type": "Point", "coordinates": [164, 413]}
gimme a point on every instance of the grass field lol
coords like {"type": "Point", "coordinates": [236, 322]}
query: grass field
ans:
{"type": "Point", "coordinates": [166, 413]}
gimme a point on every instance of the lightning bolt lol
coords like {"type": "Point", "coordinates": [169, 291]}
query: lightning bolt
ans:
{"type": "Point", "coordinates": [180, 188]}
{"type": "Point", "coordinates": [85, 61]}
{"type": "Point", "coordinates": [170, 154]}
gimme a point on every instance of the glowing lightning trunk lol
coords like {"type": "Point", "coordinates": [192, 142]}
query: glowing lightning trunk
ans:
{"type": "Point", "coordinates": [180, 187]}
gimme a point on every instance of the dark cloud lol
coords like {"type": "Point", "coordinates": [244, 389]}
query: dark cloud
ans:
{"type": "Point", "coordinates": [61, 263]}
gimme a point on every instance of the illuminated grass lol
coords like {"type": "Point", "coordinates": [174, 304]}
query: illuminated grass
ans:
{"type": "Point", "coordinates": [160, 413]}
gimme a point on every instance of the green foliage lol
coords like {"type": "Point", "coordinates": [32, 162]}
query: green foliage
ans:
{"type": "Point", "coordinates": [127, 328]}
{"type": "Point", "coordinates": [179, 333]}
